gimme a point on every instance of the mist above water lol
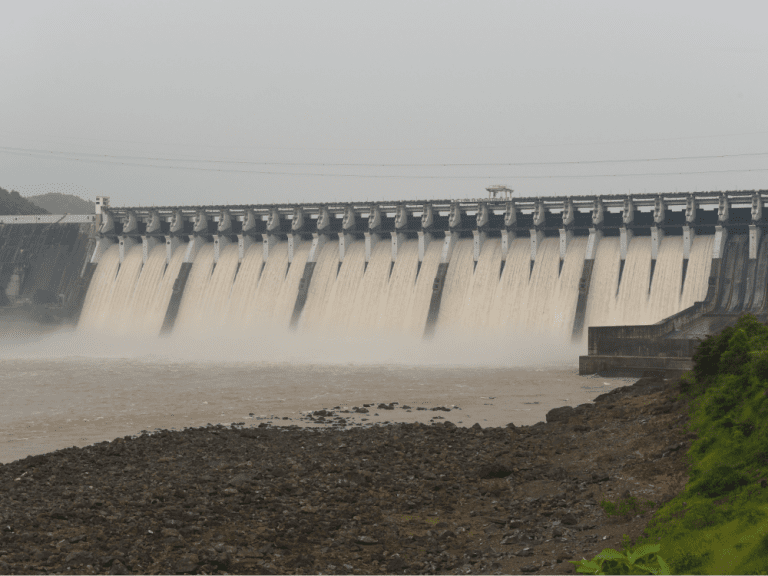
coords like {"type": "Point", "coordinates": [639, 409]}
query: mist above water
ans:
{"type": "Point", "coordinates": [312, 347]}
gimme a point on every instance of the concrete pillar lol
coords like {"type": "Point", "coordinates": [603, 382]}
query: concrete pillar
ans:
{"type": "Point", "coordinates": [249, 221]}
{"type": "Point", "coordinates": [448, 244]}
{"type": "Point", "coordinates": [659, 211]}
{"type": "Point", "coordinates": [243, 243]}
{"type": "Point", "coordinates": [723, 210]}
{"type": "Point", "coordinates": [506, 242]}
{"type": "Point", "coordinates": [371, 240]}
{"type": "Point", "coordinates": [721, 235]}
{"type": "Point", "coordinates": [755, 232]}
{"type": "Point", "coordinates": [171, 243]}
{"type": "Point", "coordinates": [625, 237]}
{"type": "Point", "coordinates": [225, 223]}
{"type": "Point", "coordinates": [624, 240]}
{"type": "Point", "coordinates": [131, 224]}
{"type": "Point", "coordinates": [566, 236]}
{"type": "Point", "coordinates": [345, 240]}
{"type": "Point", "coordinates": [153, 225]}
{"type": "Point", "coordinates": [219, 243]}
{"type": "Point", "coordinates": [478, 241]}
{"type": "Point", "coordinates": [595, 235]}
{"type": "Point", "coordinates": [598, 212]}
{"type": "Point", "coordinates": [628, 211]}
{"type": "Point", "coordinates": [424, 239]}
{"type": "Point", "coordinates": [454, 216]}
{"type": "Point", "coordinates": [101, 246]}
{"type": "Point", "coordinates": [177, 222]}
{"type": "Point", "coordinates": [657, 235]}
{"type": "Point", "coordinates": [268, 242]}
{"type": "Point", "coordinates": [193, 247]}
{"type": "Point", "coordinates": [757, 207]}
{"type": "Point", "coordinates": [688, 235]}
{"type": "Point", "coordinates": [107, 223]}
{"type": "Point", "coordinates": [690, 210]}
{"type": "Point", "coordinates": [318, 241]}
{"type": "Point", "coordinates": [397, 239]}
{"type": "Point", "coordinates": [147, 243]}
{"type": "Point", "coordinates": [374, 234]}
{"type": "Point", "coordinates": [754, 240]}
{"type": "Point", "coordinates": [537, 236]}
{"type": "Point", "coordinates": [293, 240]}
{"type": "Point", "coordinates": [200, 223]}
{"type": "Point", "coordinates": [126, 243]}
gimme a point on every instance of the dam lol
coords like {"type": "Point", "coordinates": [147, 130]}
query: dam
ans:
{"type": "Point", "coordinates": [639, 277]}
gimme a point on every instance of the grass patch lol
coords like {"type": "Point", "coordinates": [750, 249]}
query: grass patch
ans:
{"type": "Point", "coordinates": [626, 507]}
{"type": "Point", "coordinates": [719, 524]}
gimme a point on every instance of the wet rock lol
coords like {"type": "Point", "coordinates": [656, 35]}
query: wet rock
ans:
{"type": "Point", "coordinates": [569, 519]}
{"type": "Point", "coordinates": [187, 564]}
{"type": "Point", "coordinates": [494, 470]}
{"type": "Point", "coordinates": [396, 564]}
{"type": "Point", "coordinates": [118, 568]}
{"type": "Point", "coordinates": [561, 414]}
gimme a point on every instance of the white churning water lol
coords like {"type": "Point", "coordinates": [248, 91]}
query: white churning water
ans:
{"type": "Point", "coordinates": [351, 297]}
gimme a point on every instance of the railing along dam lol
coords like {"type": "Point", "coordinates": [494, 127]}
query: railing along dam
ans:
{"type": "Point", "coordinates": [546, 265]}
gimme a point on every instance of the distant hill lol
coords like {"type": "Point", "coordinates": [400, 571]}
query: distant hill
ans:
{"type": "Point", "coordinates": [13, 203]}
{"type": "Point", "coordinates": [57, 203]}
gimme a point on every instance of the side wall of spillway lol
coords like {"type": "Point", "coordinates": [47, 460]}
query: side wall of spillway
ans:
{"type": "Point", "coordinates": [549, 265]}
{"type": "Point", "coordinates": [43, 264]}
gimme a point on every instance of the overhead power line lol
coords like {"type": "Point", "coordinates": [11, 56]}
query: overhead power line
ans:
{"type": "Point", "coordinates": [378, 164]}
{"type": "Point", "coordinates": [380, 176]}
{"type": "Point", "coordinates": [396, 149]}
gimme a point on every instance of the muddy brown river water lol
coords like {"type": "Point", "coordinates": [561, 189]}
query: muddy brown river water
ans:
{"type": "Point", "coordinates": [65, 389]}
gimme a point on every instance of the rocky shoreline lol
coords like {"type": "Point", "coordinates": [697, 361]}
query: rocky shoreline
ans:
{"type": "Point", "coordinates": [399, 498]}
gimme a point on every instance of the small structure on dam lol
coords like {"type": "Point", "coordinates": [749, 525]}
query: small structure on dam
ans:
{"type": "Point", "coordinates": [667, 269]}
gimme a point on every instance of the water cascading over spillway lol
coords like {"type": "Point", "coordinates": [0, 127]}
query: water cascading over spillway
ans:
{"type": "Point", "coordinates": [641, 298]}
{"type": "Point", "coordinates": [496, 294]}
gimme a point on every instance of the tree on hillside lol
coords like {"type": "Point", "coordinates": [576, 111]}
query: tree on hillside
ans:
{"type": "Point", "coordinates": [12, 203]}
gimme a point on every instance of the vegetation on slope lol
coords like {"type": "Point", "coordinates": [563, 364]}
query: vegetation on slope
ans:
{"type": "Point", "coordinates": [13, 203]}
{"type": "Point", "coordinates": [57, 203]}
{"type": "Point", "coordinates": [719, 524]}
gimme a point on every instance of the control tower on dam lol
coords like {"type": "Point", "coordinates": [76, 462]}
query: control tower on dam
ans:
{"type": "Point", "coordinates": [641, 277]}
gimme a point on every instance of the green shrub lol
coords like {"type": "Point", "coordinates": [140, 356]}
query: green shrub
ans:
{"type": "Point", "coordinates": [626, 507]}
{"type": "Point", "coordinates": [707, 356]}
{"type": "Point", "coordinates": [735, 358]}
{"type": "Point", "coordinates": [689, 563]}
{"type": "Point", "coordinates": [719, 480]}
{"type": "Point", "coordinates": [610, 561]}
{"type": "Point", "coordinates": [700, 516]}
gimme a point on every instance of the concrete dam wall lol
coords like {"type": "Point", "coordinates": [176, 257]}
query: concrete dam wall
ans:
{"type": "Point", "coordinates": [660, 267]}
{"type": "Point", "coordinates": [41, 265]}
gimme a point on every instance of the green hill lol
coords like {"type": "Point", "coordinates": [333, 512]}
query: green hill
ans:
{"type": "Point", "coordinates": [57, 203]}
{"type": "Point", "coordinates": [13, 203]}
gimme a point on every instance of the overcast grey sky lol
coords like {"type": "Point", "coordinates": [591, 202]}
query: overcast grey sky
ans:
{"type": "Point", "coordinates": [395, 82]}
